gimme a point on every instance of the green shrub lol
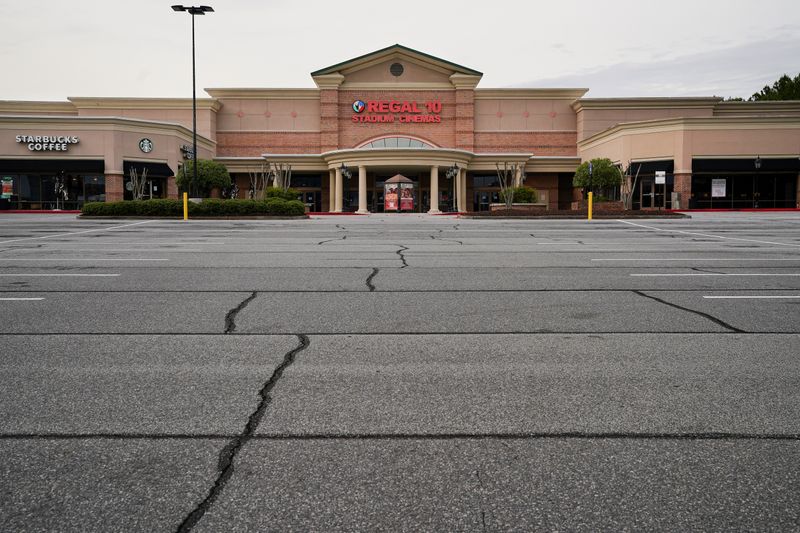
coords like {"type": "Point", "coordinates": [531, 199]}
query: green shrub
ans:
{"type": "Point", "coordinates": [605, 174]}
{"type": "Point", "coordinates": [288, 194]}
{"type": "Point", "coordinates": [522, 195]}
{"type": "Point", "coordinates": [210, 174]}
{"type": "Point", "coordinates": [206, 208]}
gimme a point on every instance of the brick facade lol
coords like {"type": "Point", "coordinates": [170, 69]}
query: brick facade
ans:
{"type": "Point", "coordinates": [683, 186]}
{"type": "Point", "coordinates": [353, 134]}
{"type": "Point", "coordinates": [254, 144]}
{"type": "Point", "coordinates": [541, 143]}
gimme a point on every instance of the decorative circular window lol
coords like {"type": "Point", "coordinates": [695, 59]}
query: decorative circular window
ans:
{"type": "Point", "coordinates": [396, 69]}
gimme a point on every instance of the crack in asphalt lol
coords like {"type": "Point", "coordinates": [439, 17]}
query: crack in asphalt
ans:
{"type": "Point", "coordinates": [228, 454]}
{"type": "Point", "coordinates": [714, 319]}
{"type": "Point", "coordinates": [705, 271]}
{"type": "Point", "coordinates": [371, 277]}
{"type": "Point", "coordinates": [230, 318]}
{"type": "Point", "coordinates": [481, 489]}
{"type": "Point", "coordinates": [331, 240]}
{"type": "Point", "coordinates": [402, 256]}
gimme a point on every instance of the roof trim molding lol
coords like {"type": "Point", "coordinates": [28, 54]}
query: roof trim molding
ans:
{"type": "Point", "coordinates": [688, 124]}
{"type": "Point", "coordinates": [255, 93]}
{"type": "Point", "coordinates": [530, 94]}
{"type": "Point", "coordinates": [9, 107]}
{"type": "Point", "coordinates": [350, 64]}
{"type": "Point", "coordinates": [143, 103]}
{"type": "Point", "coordinates": [646, 103]}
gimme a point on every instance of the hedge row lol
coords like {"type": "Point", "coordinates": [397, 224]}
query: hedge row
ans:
{"type": "Point", "coordinates": [206, 208]}
{"type": "Point", "coordinates": [523, 195]}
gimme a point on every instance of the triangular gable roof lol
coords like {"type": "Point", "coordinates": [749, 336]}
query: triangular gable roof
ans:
{"type": "Point", "coordinates": [398, 178]}
{"type": "Point", "coordinates": [388, 51]}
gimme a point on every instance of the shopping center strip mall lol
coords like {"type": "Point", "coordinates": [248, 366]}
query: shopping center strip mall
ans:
{"type": "Point", "coordinates": [400, 111]}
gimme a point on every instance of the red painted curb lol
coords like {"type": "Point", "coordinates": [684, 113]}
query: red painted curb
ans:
{"type": "Point", "coordinates": [744, 209]}
{"type": "Point", "coordinates": [40, 212]}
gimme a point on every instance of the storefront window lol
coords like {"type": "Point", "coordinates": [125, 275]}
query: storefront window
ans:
{"type": "Point", "coordinates": [94, 188]}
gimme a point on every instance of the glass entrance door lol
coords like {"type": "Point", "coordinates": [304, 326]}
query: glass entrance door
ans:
{"type": "Point", "coordinates": [647, 197]}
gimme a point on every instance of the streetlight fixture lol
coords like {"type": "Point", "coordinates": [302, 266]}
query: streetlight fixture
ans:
{"type": "Point", "coordinates": [194, 10]}
{"type": "Point", "coordinates": [451, 174]}
{"type": "Point", "coordinates": [346, 174]}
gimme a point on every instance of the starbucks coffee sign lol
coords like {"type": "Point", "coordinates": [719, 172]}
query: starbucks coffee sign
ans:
{"type": "Point", "coordinates": [48, 143]}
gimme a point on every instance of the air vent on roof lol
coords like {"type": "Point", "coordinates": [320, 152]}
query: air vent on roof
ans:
{"type": "Point", "coordinates": [396, 69]}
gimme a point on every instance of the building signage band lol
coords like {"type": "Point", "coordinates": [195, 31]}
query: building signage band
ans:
{"type": "Point", "coordinates": [48, 143]}
{"type": "Point", "coordinates": [397, 111]}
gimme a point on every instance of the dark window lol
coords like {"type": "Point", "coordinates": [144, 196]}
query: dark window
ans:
{"type": "Point", "coordinates": [396, 69]}
{"type": "Point", "coordinates": [485, 181]}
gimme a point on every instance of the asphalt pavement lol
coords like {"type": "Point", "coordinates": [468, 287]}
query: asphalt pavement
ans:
{"type": "Point", "coordinates": [400, 373]}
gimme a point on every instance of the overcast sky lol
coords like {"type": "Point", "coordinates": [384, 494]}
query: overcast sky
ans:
{"type": "Point", "coordinates": [52, 49]}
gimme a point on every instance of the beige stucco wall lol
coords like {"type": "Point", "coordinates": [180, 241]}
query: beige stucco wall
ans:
{"type": "Point", "coordinates": [524, 115]}
{"type": "Point", "coordinates": [594, 116]}
{"type": "Point", "coordinates": [696, 138]}
{"type": "Point", "coordinates": [412, 73]}
{"type": "Point", "coordinates": [112, 141]}
{"type": "Point", "coordinates": [177, 116]}
{"type": "Point", "coordinates": [268, 114]}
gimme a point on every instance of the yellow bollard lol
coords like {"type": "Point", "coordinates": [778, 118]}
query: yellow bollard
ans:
{"type": "Point", "coordinates": [590, 206]}
{"type": "Point", "coordinates": [186, 206]}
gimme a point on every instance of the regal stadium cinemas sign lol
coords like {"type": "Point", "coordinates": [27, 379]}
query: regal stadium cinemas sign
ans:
{"type": "Point", "coordinates": [48, 143]}
{"type": "Point", "coordinates": [374, 111]}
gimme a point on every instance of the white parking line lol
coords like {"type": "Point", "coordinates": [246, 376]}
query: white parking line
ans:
{"type": "Point", "coordinates": [88, 259]}
{"type": "Point", "coordinates": [708, 235]}
{"type": "Point", "coordinates": [706, 274]}
{"type": "Point", "coordinates": [697, 259]}
{"type": "Point", "coordinates": [59, 275]}
{"type": "Point", "coordinates": [20, 299]}
{"type": "Point", "coordinates": [776, 297]}
{"type": "Point", "coordinates": [77, 232]}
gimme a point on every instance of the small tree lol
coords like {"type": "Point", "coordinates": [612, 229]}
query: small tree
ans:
{"type": "Point", "coordinates": [210, 174]}
{"type": "Point", "coordinates": [282, 173]}
{"type": "Point", "coordinates": [628, 186]}
{"type": "Point", "coordinates": [603, 174]}
{"type": "Point", "coordinates": [138, 182]}
{"type": "Point", "coordinates": [258, 181]}
{"type": "Point", "coordinates": [510, 178]}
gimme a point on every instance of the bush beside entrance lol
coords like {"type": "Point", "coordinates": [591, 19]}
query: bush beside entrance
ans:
{"type": "Point", "coordinates": [206, 208]}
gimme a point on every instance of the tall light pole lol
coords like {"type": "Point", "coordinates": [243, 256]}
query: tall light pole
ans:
{"type": "Point", "coordinates": [194, 10]}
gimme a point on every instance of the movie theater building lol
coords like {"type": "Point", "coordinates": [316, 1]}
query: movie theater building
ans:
{"type": "Point", "coordinates": [398, 111]}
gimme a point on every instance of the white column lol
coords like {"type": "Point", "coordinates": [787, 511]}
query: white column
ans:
{"type": "Point", "coordinates": [339, 192]}
{"type": "Point", "coordinates": [457, 184]}
{"type": "Point", "coordinates": [434, 210]}
{"type": "Point", "coordinates": [462, 190]}
{"type": "Point", "coordinates": [362, 190]}
{"type": "Point", "coordinates": [332, 191]}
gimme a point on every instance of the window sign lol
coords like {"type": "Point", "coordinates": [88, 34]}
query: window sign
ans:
{"type": "Point", "coordinates": [718, 187]}
{"type": "Point", "coordinates": [390, 197]}
{"type": "Point", "coordinates": [7, 188]}
{"type": "Point", "coordinates": [406, 196]}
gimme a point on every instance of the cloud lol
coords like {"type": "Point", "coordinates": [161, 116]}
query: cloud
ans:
{"type": "Point", "coordinates": [734, 71]}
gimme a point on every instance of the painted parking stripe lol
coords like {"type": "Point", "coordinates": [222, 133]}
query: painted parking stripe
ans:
{"type": "Point", "coordinates": [775, 297]}
{"type": "Point", "coordinates": [708, 235]}
{"type": "Point", "coordinates": [59, 275]}
{"type": "Point", "coordinates": [708, 274]}
{"type": "Point", "coordinates": [77, 232]}
{"type": "Point", "coordinates": [697, 259]}
{"type": "Point", "coordinates": [88, 259]}
{"type": "Point", "coordinates": [20, 299]}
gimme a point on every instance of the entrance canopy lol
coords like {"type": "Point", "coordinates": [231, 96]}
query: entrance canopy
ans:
{"type": "Point", "coordinates": [398, 178]}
